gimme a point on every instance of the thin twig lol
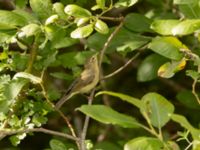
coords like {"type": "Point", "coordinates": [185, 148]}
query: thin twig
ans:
{"type": "Point", "coordinates": [109, 41]}
{"type": "Point", "coordinates": [194, 90]}
{"type": "Point", "coordinates": [52, 105]}
{"type": "Point", "coordinates": [102, 82]}
{"type": "Point", "coordinates": [86, 122]}
{"type": "Point", "coordinates": [121, 68]}
{"type": "Point", "coordinates": [111, 18]}
{"type": "Point", "coordinates": [47, 131]}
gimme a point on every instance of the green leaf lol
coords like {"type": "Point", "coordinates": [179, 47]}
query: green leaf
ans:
{"type": "Point", "coordinates": [157, 109]}
{"type": "Point", "coordinates": [101, 27]}
{"type": "Point", "coordinates": [190, 10]}
{"type": "Point", "coordinates": [11, 20]}
{"type": "Point", "coordinates": [185, 124]}
{"type": "Point", "coordinates": [52, 19]}
{"type": "Point", "coordinates": [43, 9]}
{"type": "Point", "coordinates": [25, 75]}
{"type": "Point", "coordinates": [193, 74]}
{"type": "Point", "coordinates": [164, 27]}
{"type": "Point", "coordinates": [101, 3]}
{"type": "Point", "coordinates": [134, 101]}
{"type": "Point", "coordinates": [137, 23]}
{"type": "Point", "coordinates": [144, 143]}
{"type": "Point", "coordinates": [77, 11]}
{"type": "Point", "coordinates": [72, 59]}
{"type": "Point", "coordinates": [21, 3]}
{"type": "Point", "coordinates": [29, 30]}
{"type": "Point", "coordinates": [13, 89]}
{"type": "Point", "coordinates": [125, 3]}
{"type": "Point", "coordinates": [82, 32]}
{"type": "Point", "coordinates": [59, 9]}
{"type": "Point", "coordinates": [186, 27]}
{"type": "Point", "coordinates": [169, 69]}
{"type": "Point", "coordinates": [188, 99]}
{"type": "Point", "coordinates": [168, 47]}
{"type": "Point", "coordinates": [39, 120]}
{"type": "Point", "coordinates": [148, 69]}
{"type": "Point", "coordinates": [57, 145]}
{"type": "Point", "coordinates": [124, 41]}
{"type": "Point", "coordinates": [107, 115]}
{"type": "Point", "coordinates": [27, 15]}
{"type": "Point", "coordinates": [184, 1]}
{"type": "Point", "coordinates": [64, 42]}
{"type": "Point", "coordinates": [16, 139]}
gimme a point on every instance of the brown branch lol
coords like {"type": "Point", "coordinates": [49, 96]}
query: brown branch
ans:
{"type": "Point", "coordinates": [86, 122]}
{"type": "Point", "coordinates": [111, 18]}
{"type": "Point", "coordinates": [53, 106]}
{"type": "Point", "coordinates": [109, 41]}
{"type": "Point", "coordinates": [121, 68]}
{"type": "Point", "coordinates": [194, 91]}
{"type": "Point", "coordinates": [43, 130]}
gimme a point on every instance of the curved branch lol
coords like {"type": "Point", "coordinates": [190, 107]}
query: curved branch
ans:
{"type": "Point", "coordinates": [121, 68]}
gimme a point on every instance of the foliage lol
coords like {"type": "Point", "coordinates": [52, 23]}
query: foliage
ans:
{"type": "Point", "coordinates": [153, 101]}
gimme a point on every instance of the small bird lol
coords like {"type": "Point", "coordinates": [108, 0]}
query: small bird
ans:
{"type": "Point", "coordinates": [85, 83]}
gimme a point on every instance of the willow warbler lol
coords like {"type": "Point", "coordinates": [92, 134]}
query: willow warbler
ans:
{"type": "Point", "coordinates": [85, 83]}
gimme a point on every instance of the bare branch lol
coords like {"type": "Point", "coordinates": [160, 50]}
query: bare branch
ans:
{"type": "Point", "coordinates": [43, 130]}
{"type": "Point", "coordinates": [121, 68]}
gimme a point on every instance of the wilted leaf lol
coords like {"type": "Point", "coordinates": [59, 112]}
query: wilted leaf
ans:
{"type": "Point", "coordinates": [168, 69]}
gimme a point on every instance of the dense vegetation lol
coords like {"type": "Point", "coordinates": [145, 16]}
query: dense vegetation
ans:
{"type": "Point", "coordinates": [147, 97]}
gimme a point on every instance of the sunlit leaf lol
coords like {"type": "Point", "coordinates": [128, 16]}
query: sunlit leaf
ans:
{"type": "Point", "coordinates": [101, 27]}
{"type": "Point", "coordinates": [29, 30]}
{"type": "Point", "coordinates": [82, 32]}
{"type": "Point", "coordinates": [32, 78]}
{"type": "Point", "coordinates": [77, 11]}
{"type": "Point", "coordinates": [169, 69]}
{"type": "Point", "coordinates": [157, 108]}
{"type": "Point", "coordinates": [144, 143]}
{"type": "Point", "coordinates": [125, 3]}
{"type": "Point", "coordinates": [168, 47]}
